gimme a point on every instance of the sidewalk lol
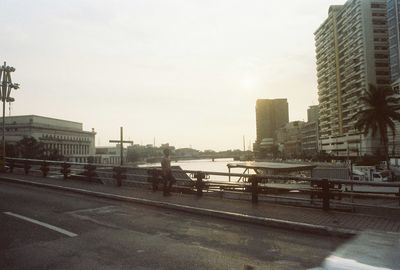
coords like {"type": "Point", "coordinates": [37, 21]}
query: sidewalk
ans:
{"type": "Point", "coordinates": [282, 216]}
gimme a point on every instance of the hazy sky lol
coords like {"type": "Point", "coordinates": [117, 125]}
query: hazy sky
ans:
{"type": "Point", "coordinates": [187, 72]}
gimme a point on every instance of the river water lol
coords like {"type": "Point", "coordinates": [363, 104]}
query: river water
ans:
{"type": "Point", "coordinates": [218, 165]}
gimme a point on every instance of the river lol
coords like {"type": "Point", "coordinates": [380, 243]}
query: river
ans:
{"type": "Point", "coordinates": [218, 165]}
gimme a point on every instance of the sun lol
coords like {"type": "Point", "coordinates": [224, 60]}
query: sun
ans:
{"type": "Point", "coordinates": [248, 82]}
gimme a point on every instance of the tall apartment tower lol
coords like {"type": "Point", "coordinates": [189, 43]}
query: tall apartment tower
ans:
{"type": "Point", "coordinates": [393, 16]}
{"type": "Point", "coordinates": [271, 114]}
{"type": "Point", "coordinates": [312, 113]}
{"type": "Point", "coordinates": [352, 52]}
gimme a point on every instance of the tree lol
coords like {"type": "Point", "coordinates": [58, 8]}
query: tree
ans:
{"type": "Point", "coordinates": [367, 160]}
{"type": "Point", "coordinates": [29, 147]}
{"type": "Point", "coordinates": [55, 155]}
{"type": "Point", "coordinates": [322, 156]}
{"type": "Point", "coordinates": [379, 114]}
{"type": "Point", "coordinates": [132, 155]}
{"type": "Point", "coordinates": [90, 159]}
{"type": "Point", "coordinates": [11, 150]}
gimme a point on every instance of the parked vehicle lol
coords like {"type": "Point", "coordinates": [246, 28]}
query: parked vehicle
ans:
{"type": "Point", "coordinates": [341, 173]}
{"type": "Point", "coordinates": [358, 175]}
{"type": "Point", "coordinates": [380, 176]}
{"type": "Point", "coordinates": [369, 173]}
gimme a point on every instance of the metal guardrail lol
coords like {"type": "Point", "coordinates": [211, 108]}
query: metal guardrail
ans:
{"type": "Point", "coordinates": [197, 182]}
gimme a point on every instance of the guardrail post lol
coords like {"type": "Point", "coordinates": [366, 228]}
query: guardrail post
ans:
{"type": "Point", "coordinates": [153, 177]}
{"type": "Point", "coordinates": [27, 167]}
{"type": "Point", "coordinates": [199, 183]}
{"type": "Point", "coordinates": [90, 171]}
{"type": "Point", "coordinates": [254, 189]}
{"type": "Point", "coordinates": [398, 194]}
{"type": "Point", "coordinates": [119, 174]}
{"type": "Point", "coordinates": [325, 194]}
{"type": "Point", "coordinates": [44, 167]}
{"type": "Point", "coordinates": [65, 170]}
{"type": "Point", "coordinates": [11, 165]}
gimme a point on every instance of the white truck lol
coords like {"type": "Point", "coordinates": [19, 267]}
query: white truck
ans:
{"type": "Point", "coordinates": [340, 173]}
{"type": "Point", "coordinates": [359, 173]}
{"type": "Point", "coordinates": [369, 173]}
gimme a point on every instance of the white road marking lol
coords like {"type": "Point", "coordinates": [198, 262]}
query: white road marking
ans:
{"type": "Point", "coordinates": [51, 227]}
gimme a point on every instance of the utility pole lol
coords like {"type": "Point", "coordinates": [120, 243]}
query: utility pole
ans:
{"type": "Point", "coordinates": [6, 86]}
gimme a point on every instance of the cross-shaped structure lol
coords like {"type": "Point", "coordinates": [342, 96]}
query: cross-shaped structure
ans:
{"type": "Point", "coordinates": [121, 142]}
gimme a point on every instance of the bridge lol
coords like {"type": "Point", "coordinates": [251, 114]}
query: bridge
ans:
{"type": "Point", "coordinates": [56, 221]}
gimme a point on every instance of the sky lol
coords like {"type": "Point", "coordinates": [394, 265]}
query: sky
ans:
{"type": "Point", "coordinates": [183, 72]}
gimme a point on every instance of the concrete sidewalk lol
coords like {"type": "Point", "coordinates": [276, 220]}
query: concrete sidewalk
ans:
{"type": "Point", "coordinates": [282, 216]}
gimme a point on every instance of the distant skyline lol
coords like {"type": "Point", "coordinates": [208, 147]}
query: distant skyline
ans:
{"type": "Point", "coordinates": [186, 73]}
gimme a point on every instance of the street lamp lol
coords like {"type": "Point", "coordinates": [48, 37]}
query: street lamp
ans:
{"type": "Point", "coordinates": [6, 86]}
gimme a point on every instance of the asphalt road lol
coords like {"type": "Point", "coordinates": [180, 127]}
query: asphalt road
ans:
{"type": "Point", "coordinates": [48, 229]}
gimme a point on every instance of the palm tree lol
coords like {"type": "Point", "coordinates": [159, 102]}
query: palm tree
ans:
{"type": "Point", "coordinates": [379, 115]}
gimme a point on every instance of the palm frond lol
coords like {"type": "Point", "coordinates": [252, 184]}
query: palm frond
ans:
{"type": "Point", "coordinates": [380, 112]}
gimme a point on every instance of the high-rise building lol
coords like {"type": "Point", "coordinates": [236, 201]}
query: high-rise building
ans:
{"type": "Point", "coordinates": [309, 133]}
{"type": "Point", "coordinates": [352, 52]}
{"type": "Point", "coordinates": [393, 17]}
{"type": "Point", "coordinates": [271, 114]}
{"type": "Point", "coordinates": [312, 113]}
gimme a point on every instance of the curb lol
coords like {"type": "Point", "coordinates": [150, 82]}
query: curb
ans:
{"type": "Point", "coordinates": [277, 223]}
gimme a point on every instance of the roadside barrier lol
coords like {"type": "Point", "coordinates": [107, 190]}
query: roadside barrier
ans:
{"type": "Point", "coordinates": [309, 192]}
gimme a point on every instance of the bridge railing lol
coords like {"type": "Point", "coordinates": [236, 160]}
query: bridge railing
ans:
{"type": "Point", "coordinates": [279, 188]}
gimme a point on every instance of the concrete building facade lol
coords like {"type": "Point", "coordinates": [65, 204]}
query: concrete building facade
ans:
{"type": "Point", "coordinates": [309, 139]}
{"type": "Point", "coordinates": [393, 14]}
{"type": "Point", "coordinates": [312, 113]}
{"type": "Point", "coordinates": [393, 17]}
{"type": "Point", "coordinates": [66, 137]}
{"type": "Point", "coordinates": [310, 132]}
{"type": "Point", "coordinates": [109, 155]}
{"type": "Point", "coordinates": [271, 114]}
{"type": "Point", "coordinates": [290, 137]}
{"type": "Point", "coordinates": [352, 51]}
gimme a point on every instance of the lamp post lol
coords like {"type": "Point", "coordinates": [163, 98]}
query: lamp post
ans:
{"type": "Point", "coordinates": [6, 87]}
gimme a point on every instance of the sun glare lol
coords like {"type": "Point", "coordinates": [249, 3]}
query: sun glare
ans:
{"type": "Point", "coordinates": [248, 82]}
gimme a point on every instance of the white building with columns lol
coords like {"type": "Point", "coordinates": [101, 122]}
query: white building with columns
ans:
{"type": "Point", "coordinates": [67, 137]}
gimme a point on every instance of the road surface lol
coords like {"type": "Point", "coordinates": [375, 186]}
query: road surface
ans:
{"type": "Point", "coordinates": [48, 229]}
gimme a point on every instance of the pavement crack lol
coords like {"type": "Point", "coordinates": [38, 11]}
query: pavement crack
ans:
{"type": "Point", "coordinates": [97, 210]}
{"type": "Point", "coordinates": [101, 223]}
{"type": "Point", "coordinates": [90, 215]}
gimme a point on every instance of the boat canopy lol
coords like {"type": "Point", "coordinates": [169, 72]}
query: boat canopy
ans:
{"type": "Point", "coordinates": [272, 167]}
